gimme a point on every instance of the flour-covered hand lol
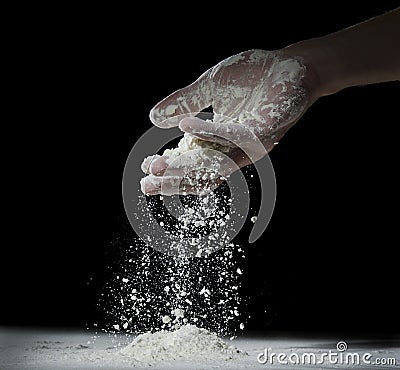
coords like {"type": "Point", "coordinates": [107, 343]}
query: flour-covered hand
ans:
{"type": "Point", "coordinates": [256, 97]}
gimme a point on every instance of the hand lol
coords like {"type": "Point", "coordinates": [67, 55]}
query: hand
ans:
{"type": "Point", "coordinates": [256, 92]}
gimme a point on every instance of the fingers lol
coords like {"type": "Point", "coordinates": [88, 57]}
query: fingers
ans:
{"type": "Point", "coordinates": [229, 133]}
{"type": "Point", "coordinates": [151, 185]}
{"type": "Point", "coordinates": [184, 102]}
{"type": "Point", "coordinates": [193, 162]}
{"type": "Point", "coordinates": [193, 172]}
{"type": "Point", "coordinates": [146, 164]}
{"type": "Point", "coordinates": [154, 164]}
{"type": "Point", "coordinates": [232, 134]}
{"type": "Point", "coordinates": [159, 165]}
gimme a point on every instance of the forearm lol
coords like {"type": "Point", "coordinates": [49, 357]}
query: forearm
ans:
{"type": "Point", "coordinates": [366, 53]}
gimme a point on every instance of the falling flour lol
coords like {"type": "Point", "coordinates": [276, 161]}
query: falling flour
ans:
{"type": "Point", "coordinates": [187, 343]}
{"type": "Point", "coordinates": [152, 291]}
{"type": "Point", "coordinates": [182, 304]}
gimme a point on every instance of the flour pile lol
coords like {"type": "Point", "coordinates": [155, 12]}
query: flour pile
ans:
{"type": "Point", "coordinates": [187, 343]}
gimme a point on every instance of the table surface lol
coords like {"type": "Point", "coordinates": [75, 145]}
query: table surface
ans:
{"type": "Point", "coordinates": [62, 349]}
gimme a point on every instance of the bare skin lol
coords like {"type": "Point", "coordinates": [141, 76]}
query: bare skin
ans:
{"type": "Point", "coordinates": [276, 88]}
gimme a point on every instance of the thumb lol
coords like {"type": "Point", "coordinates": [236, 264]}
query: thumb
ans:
{"type": "Point", "coordinates": [183, 103]}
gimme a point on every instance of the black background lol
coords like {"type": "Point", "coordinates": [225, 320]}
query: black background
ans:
{"type": "Point", "coordinates": [84, 82]}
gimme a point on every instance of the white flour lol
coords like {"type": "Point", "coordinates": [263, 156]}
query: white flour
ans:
{"type": "Point", "coordinates": [153, 292]}
{"type": "Point", "coordinates": [33, 349]}
{"type": "Point", "coordinates": [187, 343]}
{"type": "Point", "coordinates": [204, 157]}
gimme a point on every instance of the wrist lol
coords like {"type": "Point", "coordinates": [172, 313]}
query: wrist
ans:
{"type": "Point", "coordinates": [322, 63]}
{"type": "Point", "coordinates": [363, 54]}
